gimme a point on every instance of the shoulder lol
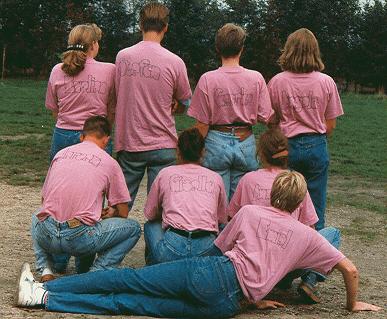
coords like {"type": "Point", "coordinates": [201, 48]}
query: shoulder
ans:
{"type": "Point", "coordinates": [125, 52]}
{"type": "Point", "coordinates": [57, 69]}
{"type": "Point", "coordinates": [278, 77]}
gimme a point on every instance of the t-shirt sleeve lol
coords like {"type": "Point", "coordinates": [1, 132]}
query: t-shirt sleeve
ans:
{"type": "Point", "coordinates": [200, 103]}
{"type": "Point", "coordinates": [334, 107]}
{"type": "Point", "coordinates": [51, 97]}
{"type": "Point", "coordinates": [183, 89]}
{"type": "Point", "coordinates": [308, 215]}
{"type": "Point", "coordinates": [222, 203]}
{"type": "Point", "coordinates": [320, 256]}
{"type": "Point", "coordinates": [153, 208]}
{"type": "Point", "coordinates": [235, 203]}
{"type": "Point", "coordinates": [229, 235]}
{"type": "Point", "coordinates": [117, 192]}
{"type": "Point", "coordinates": [265, 111]}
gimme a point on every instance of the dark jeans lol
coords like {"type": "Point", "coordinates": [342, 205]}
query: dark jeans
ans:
{"type": "Point", "coordinates": [134, 164]}
{"type": "Point", "coordinates": [205, 287]}
{"type": "Point", "coordinates": [308, 154]}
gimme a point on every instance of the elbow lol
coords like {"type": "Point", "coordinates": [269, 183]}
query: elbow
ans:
{"type": "Point", "coordinates": [352, 271]}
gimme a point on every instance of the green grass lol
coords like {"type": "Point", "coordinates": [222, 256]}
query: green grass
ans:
{"type": "Point", "coordinates": [358, 166]}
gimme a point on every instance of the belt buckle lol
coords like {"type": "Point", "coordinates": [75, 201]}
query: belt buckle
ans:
{"type": "Point", "coordinates": [73, 223]}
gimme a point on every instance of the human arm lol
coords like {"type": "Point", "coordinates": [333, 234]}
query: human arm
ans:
{"type": "Point", "coordinates": [118, 210]}
{"type": "Point", "coordinates": [203, 128]}
{"type": "Point", "coordinates": [351, 280]}
{"type": "Point", "coordinates": [54, 114]}
{"type": "Point", "coordinates": [268, 304]}
{"type": "Point", "coordinates": [331, 125]}
{"type": "Point", "coordinates": [180, 106]}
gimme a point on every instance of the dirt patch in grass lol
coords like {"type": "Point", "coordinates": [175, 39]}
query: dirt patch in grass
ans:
{"type": "Point", "coordinates": [363, 241]}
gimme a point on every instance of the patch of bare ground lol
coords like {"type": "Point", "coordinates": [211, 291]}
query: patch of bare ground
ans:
{"type": "Point", "coordinates": [363, 241]}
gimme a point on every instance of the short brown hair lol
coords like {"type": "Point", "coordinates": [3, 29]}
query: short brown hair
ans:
{"type": "Point", "coordinates": [191, 145]}
{"type": "Point", "coordinates": [83, 35]}
{"type": "Point", "coordinates": [154, 16]}
{"type": "Point", "coordinates": [288, 191]}
{"type": "Point", "coordinates": [97, 125]}
{"type": "Point", "coordinates": [301, 53]}
{"type": "Point", "coordinates": [229, 40]}
{"type": "Point", "coordinates": [271, 143]}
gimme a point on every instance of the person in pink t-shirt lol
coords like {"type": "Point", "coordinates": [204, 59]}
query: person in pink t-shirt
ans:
{"type": "Point", "coordinates": [307, 104]}
{"type": "Point", "coordinates": [185, 205]}
{"type": "Point", "coordinates": [79, 87]}
{"type": "Point", "coordinates": [69, 220]}
{"type": "Point", "coordinates": [254, 189]}
{"type": "Point", "coordinates": [149, 78]}
{"type": "Point", "coordinates": [226, 103]}
{"type": "Point", "coordinates": [260, 245]}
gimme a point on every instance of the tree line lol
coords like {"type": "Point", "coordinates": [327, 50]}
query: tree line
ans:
{"type": "Point", "coordinates": [352, 34]}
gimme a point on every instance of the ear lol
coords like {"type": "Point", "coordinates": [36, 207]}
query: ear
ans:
{"type": "Point", "coordinates": [165, 28]}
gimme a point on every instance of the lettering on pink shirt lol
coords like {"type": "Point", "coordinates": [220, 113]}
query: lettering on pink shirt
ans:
{"type": "Point", "coordinates": [179, 183]}
{"type": "Point", "coordinates": [91, 85]}
{"type": "Point", "coordinates": [79, 156]}
{"type": "Point", "coordinates": [225, 99]}
{"type": "Point", "coordinates": [260, 193]}
{"type": "Point", "coordinates": [301, 102]}
{"type": "Point", "coordinates": [273, 233]}
{"type": "Point", "coordinates": [144, 69]}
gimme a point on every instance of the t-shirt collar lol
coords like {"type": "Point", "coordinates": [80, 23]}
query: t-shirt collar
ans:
{"type": "Point", "coordinates": [231, 69]}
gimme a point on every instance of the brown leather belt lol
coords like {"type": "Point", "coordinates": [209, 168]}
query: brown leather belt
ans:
{"type": "Point", "coordinates": [74, 223]}
{"type": "Point", "coordinates": [242, 132]}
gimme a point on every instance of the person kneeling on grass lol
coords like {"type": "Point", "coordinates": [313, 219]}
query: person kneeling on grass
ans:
{"type": "Point", "coordinates": [190, 200]}
{"type": "Point", "coordinates": [69, 220]}
{"type": "Point", "coordinates": [254, 189]}
{"type": "Point", "coordinates": [260, 246]}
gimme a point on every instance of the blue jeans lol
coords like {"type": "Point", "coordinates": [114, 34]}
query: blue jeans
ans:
{"type": "Point", "coordinates": [163, 246]}
{"type": "Point", "coordinates": [111, 239]}
{"type": "Point", "coordinates": [230, 158]}
{"type": "Point", "coordinates": [134, 164]}
{"type": "Point", "coordinates": [61, 139]}
{"type": "Point", "coordinates": [205, 287]}
{"type": "Point", "coordinates": [308, 155]}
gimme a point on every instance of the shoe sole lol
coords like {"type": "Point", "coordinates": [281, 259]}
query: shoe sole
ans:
{"type": "Point", "coordinates": [24, 267]}
{"type": "Point", "coordinates": [308, 294]}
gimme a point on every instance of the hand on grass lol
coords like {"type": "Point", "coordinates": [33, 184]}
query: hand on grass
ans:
{"type": "Point", "coordinates": [268, 304]}
{"type": "Point", "coordinates": [363, 306]}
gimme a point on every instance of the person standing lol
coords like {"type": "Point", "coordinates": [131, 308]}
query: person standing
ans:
{"type": "Point", "coordinates": [226, 103]}
{"type": "Point", "coordinates": [307, 104]}
{"type": "Point", "coordinates": [149, 78]}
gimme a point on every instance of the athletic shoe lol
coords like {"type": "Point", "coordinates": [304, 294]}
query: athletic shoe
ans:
{"type": "Point", "coordinates": [29, 292]}
{"type": "Point", "coordinates": [308, 292]}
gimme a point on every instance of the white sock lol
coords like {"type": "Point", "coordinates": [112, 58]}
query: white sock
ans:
{"type": "Point", "coordinates": [47, 271]}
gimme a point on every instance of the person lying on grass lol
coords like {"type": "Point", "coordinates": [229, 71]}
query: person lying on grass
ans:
{"type": "Point", "coordinates": [260, 246]}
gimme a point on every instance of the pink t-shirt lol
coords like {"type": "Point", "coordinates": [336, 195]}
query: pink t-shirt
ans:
{"type": "Point", "coordinates": [188, 197]}
{"type": "Point", "coordinates": [76, 182]}
{"type": "Point", "coordinates": [254, 189]}
{"type": "Point", "coordinates": [304, 101]}
{"type": "Point", "coordinates": [264, 244]}
{"type": "Point", "coordinates": [76, 98]}
{"type": "Point", "coordinates": [148, 78]}
{"type": "Point", "coordinates": [231, 95]}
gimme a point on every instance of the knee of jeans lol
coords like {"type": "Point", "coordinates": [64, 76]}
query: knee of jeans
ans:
{"type": "Point", "coordinates": [136, 228]}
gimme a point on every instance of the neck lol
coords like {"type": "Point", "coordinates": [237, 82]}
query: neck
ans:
{"type": "Point", "coordinates": [153, 36]}
{"type": "Point", "coordinates": [232, 61]}
{"type": "Point", "coordinates": [95, 140]}
{"type": "Point", "coordinates": [181, 161]}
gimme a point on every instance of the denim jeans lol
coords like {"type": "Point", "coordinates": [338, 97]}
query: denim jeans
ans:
{"type": "Point", "coordinates": [308, 155]}
{"type": "Point", "coordinates": [61, 139]}
{"type": "Point", "coordinates": [134, 164]}
{"type": "Point", "coordinates": [332, 235]}
{"type": "Point", "coordinates": [165, 245]}
{"type": "Point", "coordinates": [111, 239]}
{"type": "Point", "coordinates": [230, 158]}
{"type": "Point", "coordinates": [204, 287]}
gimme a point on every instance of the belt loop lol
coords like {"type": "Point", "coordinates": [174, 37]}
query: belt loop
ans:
{"type": "Point", "coordinates": [233, 130]}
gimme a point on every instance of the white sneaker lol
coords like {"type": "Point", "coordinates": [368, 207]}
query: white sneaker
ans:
{"type": "Point", "coordinates": [29, 292]}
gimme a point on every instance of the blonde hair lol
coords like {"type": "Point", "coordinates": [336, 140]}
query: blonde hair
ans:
{"type": "Point", "coordinates": [81, 38]}
{"type": "Point", "coordinates": [301, 53]}
{"type": "Point", "coordinates": [229, 40]}
{"type": "Point", "coordinates": [288, 191]}
{"type": "Point", "coordinates": [154, 17]}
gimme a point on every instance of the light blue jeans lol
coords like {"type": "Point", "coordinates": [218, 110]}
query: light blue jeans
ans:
{"type": "Point", "coordinates": [163, 246]}
{"type": "Point", "coordinates": [61, 139]}
{"type": "Point", "coordinates": [134, 164]}
{"type": "Point", "coordinates": [110, 238]}
{"type": "Point", "coordinates": [308, 154]}
{"type": "Point", "coordinates": [230, 158]}
{"type": "Point", "coordinates": [204, 287]}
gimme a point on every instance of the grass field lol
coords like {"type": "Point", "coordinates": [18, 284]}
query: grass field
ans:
{"type": "Point", "coordinates": [358, 167]}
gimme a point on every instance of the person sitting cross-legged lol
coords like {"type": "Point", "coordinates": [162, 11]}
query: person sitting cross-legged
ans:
{"type": "Point", "coordinates": [185, 205]}
{"type": "Point", "coordinates": [69, 220]}
{"type": "Point", "coordinates": [253, 243]}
